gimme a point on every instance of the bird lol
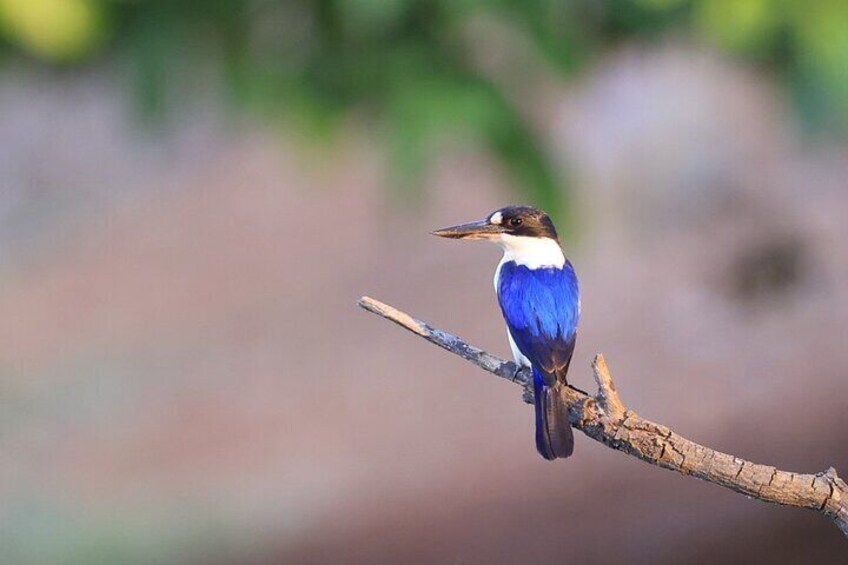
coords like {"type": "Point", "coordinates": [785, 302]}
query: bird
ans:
{"type": "Point", "coordinates": [539, 297]}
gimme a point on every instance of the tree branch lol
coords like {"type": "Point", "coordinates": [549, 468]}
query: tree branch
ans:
{"type": "Point", "coordinates": [604, 418]}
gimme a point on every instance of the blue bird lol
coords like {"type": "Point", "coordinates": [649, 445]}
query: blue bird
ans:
{"type": "Point", "coordinates": [539, 296]}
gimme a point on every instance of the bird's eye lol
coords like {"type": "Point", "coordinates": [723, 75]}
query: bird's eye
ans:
{"type": "Point", "coordinates": [515, 222]}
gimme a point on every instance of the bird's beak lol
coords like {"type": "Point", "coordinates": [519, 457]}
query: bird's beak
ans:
{"type": "Point", "coordinates": [475, 230]}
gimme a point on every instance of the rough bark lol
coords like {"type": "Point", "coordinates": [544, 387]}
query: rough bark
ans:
{"type": "Point", "coordinates": [604, 418]}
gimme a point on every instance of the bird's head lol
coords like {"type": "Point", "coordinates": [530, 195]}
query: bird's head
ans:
{"type": "Point", "coordinates": [509, 222]}
{"type": "Point", "coordinates": [525, 233]}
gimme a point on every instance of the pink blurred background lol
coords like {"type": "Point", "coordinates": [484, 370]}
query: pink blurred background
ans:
{"type": "Point", "coordinates": [185, 377]}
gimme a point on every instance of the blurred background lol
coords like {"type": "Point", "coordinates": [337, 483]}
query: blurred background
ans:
{"type": "Point", "coordinates": [194, 193]}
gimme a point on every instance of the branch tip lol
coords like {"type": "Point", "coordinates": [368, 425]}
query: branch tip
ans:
{"type": "Point", "coordinates": [400, 318]}
{"type": "Point", "coordinates": [608, 397]}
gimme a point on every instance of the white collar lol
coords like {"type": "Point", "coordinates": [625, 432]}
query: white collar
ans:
{"type": "Point", "coordinates": [532, 252]}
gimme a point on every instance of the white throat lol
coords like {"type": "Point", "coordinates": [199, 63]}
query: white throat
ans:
{"type": "Point", "coordinates": [532, 252]}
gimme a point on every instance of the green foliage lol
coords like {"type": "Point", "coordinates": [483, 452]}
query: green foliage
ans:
{"type": "Point", "coordinates": [410, 66]}
{"type": "Point", "coordinates": [59, 30]}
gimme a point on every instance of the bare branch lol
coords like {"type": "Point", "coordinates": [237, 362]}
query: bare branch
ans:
{"type": "Point", "coordinates": [605, 418]}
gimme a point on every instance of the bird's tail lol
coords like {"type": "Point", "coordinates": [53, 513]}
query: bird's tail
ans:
{"type": "Point", "coordinates": [554, 437]}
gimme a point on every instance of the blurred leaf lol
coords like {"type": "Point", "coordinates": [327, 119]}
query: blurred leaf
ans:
{"type": "Point", "coordinates": [150, 52]}
{"type": "Point", "coordinates": [427, 110]}
{"type": "Point", "coordinates": [552, 27]}
{"type": "Point", "coordinates": [660, 4]}
{"type": "Point", "coordinates": [426, 113]}
{"type": "Point", "coordinates": [822, 37]}
{"type": "Point", "coordinates": [369, 18]}
{"type": "Point", "coordinates": [56, 30]}
{"type": "Point", "coordinates": [738, 25]}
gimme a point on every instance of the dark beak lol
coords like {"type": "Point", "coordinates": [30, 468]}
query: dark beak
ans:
{"type": "Point", "coordinates": [475, 230]}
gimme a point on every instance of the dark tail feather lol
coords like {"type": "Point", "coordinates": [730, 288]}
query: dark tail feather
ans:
{"type": "Point", "coordinates": [554, 438]}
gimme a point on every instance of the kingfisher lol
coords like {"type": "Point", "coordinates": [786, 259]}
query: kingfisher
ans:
{"type": "Point", "coordinates": [539, 297]}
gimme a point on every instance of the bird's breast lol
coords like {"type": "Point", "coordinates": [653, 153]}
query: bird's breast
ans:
{"type": "Point", "coordinates": [545, 301]}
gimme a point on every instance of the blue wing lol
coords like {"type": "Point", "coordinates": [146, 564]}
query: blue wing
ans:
{"type": "Point", "coordinates": [541, 308]}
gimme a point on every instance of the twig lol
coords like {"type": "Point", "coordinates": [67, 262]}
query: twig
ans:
{"type": "Point", "coordinates": [605, 418]}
